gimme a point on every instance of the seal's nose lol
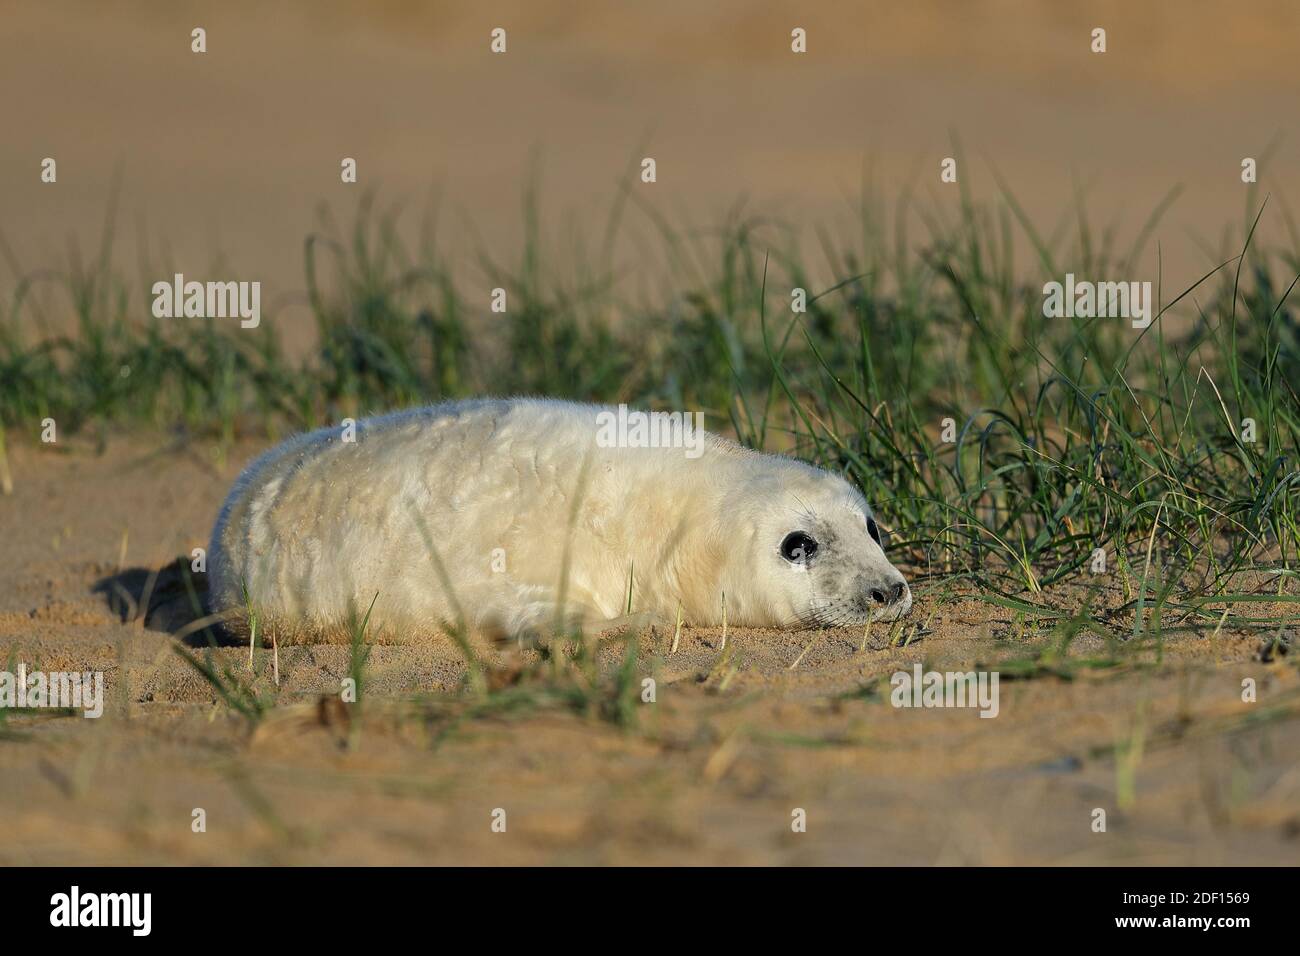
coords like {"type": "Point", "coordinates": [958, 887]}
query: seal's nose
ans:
{"type": "Point", "coordinates": [888, 594]}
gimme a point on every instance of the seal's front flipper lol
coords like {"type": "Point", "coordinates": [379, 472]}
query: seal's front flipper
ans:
{"type": "Point", "coordinates": [627, 624]}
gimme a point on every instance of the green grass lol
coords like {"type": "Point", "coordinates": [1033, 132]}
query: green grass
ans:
{"type": "Point", "coordinates": [1071, 434]}
{"type": "Point", "coordinates": [565, 676]}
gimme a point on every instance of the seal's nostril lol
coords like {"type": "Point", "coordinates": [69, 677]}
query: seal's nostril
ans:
{"type": "Point", "coordinates": [889, 594]}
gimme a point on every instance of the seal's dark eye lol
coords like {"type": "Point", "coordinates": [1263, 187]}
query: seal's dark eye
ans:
{"type": "Point", "coordinates": [874, 530]}
{"type": "Point", "coordinates": [798, 547]}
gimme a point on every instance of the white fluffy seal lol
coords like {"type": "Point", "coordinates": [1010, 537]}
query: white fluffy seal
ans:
{"type": "Point", "coordinates": [518, 505]}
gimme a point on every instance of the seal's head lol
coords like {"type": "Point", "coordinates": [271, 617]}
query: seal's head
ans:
{"type": "Point", "coordinates": [818, 555]}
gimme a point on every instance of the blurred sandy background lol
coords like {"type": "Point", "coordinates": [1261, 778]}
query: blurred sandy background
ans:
{"type": "Point", "coordinates": [231, 152]}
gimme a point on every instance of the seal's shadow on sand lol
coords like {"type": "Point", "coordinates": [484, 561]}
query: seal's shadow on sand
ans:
{"type": "Point", "coordinates": [172, 599]}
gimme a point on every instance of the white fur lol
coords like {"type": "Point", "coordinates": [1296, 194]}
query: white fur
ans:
{"type": "Point", "coordinates": [317, 526]}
